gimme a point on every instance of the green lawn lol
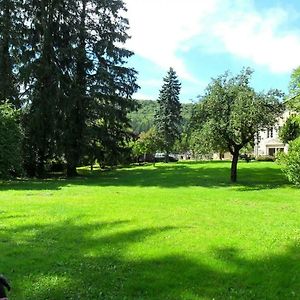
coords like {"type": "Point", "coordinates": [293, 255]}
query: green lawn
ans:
{"type": "Point", "coordinates": [174, 231]}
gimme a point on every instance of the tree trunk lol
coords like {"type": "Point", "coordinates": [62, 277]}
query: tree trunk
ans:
{"type": "Point", "coordinates": [40, 168]}
{"type": "Point", "coordinates": [234, 162]}
{"type": "Point", "coordinates": [167, 157]}
{"type": "Point", "coordinates": [71, 170]}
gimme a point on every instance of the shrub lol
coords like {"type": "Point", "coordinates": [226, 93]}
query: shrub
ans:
{"type": "Point", "coordinates": [10, 142]}
{"type": "Point", "coordinates": [265, 158]}
{"type": "Point", "coordinates": [291, 162]}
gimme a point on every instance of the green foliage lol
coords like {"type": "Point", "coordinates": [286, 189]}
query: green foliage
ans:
{"type": "Point", "coordinates": [182, 145]}
{"type": "Point", "coordinates": [77, 85]}
{"type": "Point", "coordinates": [201, 141]}
{"type": "Point", "coordinates": [168, 116]}
{"type": "Point", "coordinates": [147, 143]}
{"type": "Point", "coordinates": [142, 119]}
{"type": "Point", "coordinates": [10, 141]}
{"type": "Point", "coordinates": [231, 113]}
{"type": "Point", "coordinates": [10, 38]}
{"type": "Point", "coordinates": [290, 130]}
{"type": "Point", "coordinates": [294, 90]}
{"type": "Point", "coordinates": [291, 162]}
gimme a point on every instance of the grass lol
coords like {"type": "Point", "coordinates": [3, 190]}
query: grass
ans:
{"type": "Point", "coordinates": [174, 231]}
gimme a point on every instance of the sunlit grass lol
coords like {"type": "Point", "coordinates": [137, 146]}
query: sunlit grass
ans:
{"type": "Point", "coordinates": [173, 231]}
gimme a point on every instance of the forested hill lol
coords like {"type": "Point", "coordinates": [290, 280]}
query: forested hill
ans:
{"type": "Point", "coordinates": [143, 118]}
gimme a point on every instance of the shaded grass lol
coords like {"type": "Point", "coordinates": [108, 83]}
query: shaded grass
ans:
{"type": "Point", "coordinates": [177, 231]}
{"type": "Point", "coordinates": [185, 174]}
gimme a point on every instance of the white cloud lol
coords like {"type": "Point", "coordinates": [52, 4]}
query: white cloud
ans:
{"type": "Point", "coordinates": [161, 28]}
{"type": "Point", "coordinates": [259, 38]}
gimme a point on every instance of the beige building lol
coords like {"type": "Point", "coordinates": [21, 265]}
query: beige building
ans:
{"type": "Point", "coordinates": [222, 156]}
{"type": "Point", "coordinates": [267, 142]}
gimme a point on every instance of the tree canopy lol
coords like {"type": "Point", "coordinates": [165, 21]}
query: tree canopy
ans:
{"type": "Point", "coordinates": [231, 113]}
{"type": "Point", "coordinates": [66, 63]}
{"type": "Point", "coordinates": [294, 90]}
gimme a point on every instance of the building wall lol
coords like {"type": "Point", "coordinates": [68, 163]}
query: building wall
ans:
{"type": "Point", "coordinates": [224, 156]}
{"type": "Point", "coordinates": [267, 142]}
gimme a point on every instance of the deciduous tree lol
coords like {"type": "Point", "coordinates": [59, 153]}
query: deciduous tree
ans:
{"type": "Point", "coordinates": [294, 90]}
{"type": "Point", "coordinates": [231, 113]}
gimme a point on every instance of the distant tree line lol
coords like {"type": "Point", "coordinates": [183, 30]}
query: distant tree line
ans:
{"type": "Point", "coordinates": [63, 67]}
{"type": "Point", "coordinates": [143, 118]}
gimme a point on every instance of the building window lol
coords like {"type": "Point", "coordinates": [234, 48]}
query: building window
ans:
{"type": "Point", "coordinates": [270, 132]}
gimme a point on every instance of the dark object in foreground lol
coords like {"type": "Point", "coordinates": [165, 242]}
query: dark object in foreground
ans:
{"type": "Point", "coordinates": [3, 284]}
{"type": "Point", "coordinates": [246, 157]}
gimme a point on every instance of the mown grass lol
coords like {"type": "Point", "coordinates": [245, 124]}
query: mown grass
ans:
{"type": "Point", "coordinates": [173, 231]}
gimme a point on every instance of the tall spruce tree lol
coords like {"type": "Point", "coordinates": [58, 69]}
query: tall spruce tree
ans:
{"type": "Point", "coordinates": [77, 102]}
{"type": "Point", "coordinates": [102, 84]}
{"type": "Point", "coordinates": [41, 81]}
{"type": "Point", "coordinates": [10, 26]}
{"type": "Point", "coordinates": [72, 66]}
{"type": "Point", "coordinates": [168, 116]}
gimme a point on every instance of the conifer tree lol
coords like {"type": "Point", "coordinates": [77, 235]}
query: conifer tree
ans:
{"type": "Point", "coordinates": [168, 116]}
{"type": "Point", "coordinates": [75, 113]}
{"type": "Point", "coordinates": [41, 81]}
{"type": "Point", "coordinates": [10, 26]}
{"type": "Point", "coordinates": [102, 84]}
{"type": "Point", "coordinates": [72, 66]}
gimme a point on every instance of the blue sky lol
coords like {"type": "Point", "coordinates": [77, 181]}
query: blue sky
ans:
{"type": "Point", "coordinates": [201, 39]}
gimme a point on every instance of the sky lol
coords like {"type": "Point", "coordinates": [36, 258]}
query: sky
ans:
{"type": "Point", "coordinates": [201, 39]}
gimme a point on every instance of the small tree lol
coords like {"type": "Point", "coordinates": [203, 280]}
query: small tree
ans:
{"type": "Point", "coordinates": [231, 113]}
{"type": "Point", "coordinates": [10, 141]}
{"type": "Point", "coordinates": [136, 150]}
{"type": "Point", "coordinates": [148, 143]}
{"type": "Point", "coordinates": [168, 116]}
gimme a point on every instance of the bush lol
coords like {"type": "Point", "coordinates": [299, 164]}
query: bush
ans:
{"type": "Point", "coordinates": [291, 162]}
{"type": "Point", "coordinates": [265, 158]}
{"type": "Point", "coordinates": [10, 142]}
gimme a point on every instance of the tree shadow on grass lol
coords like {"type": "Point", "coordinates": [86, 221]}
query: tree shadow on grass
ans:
{"type": "Point", "coordinates": [211, 175]}
{"type": "Point", "coordinates": [91, 261]}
